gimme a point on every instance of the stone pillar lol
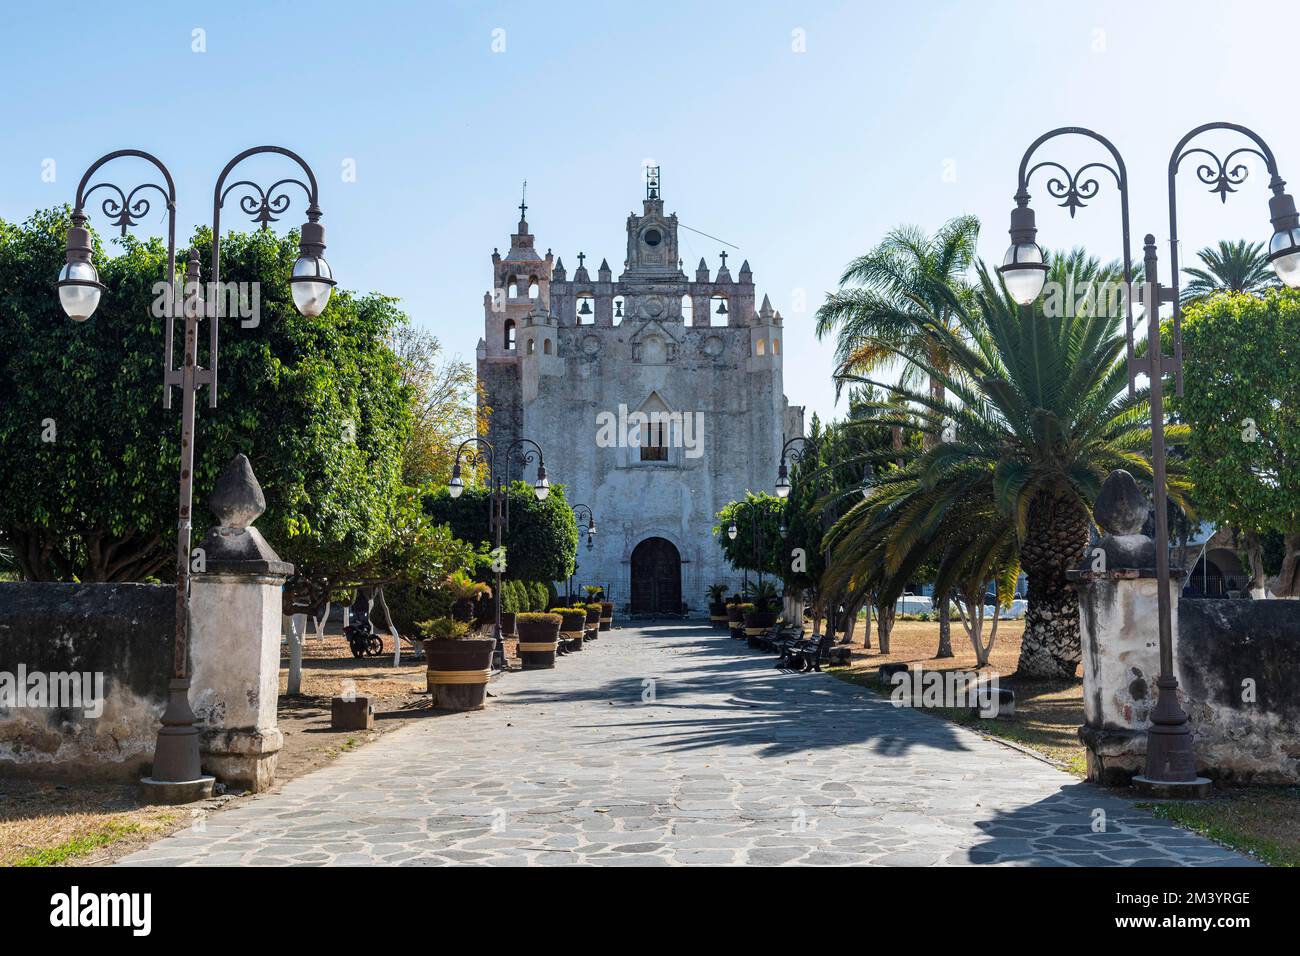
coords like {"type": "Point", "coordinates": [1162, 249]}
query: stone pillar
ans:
{"type": "Point", "coordinates": [1119, 631]}
{"type": "Point", "coordinates": [235, 636]}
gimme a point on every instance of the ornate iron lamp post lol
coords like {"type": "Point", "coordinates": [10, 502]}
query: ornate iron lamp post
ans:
{"type": "Point", "coordinates": [579, 512]}
{"type": "Point", "coordinates": [755, 536]}
{"type": "Point", "coordinates": [177, 775]}
{"type": "Point", "coordinates": [1171, 762]}
{"type": "Point", "coordinates": [499, 503]}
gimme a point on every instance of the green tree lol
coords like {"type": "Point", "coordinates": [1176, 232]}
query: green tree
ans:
{"type": "Point", "coordinates": [542, 540]}
{"type": "Point", "coordinates": [907, 284]}
{"type": "Point", "coordinates": [1242, 372]}
{"type": "Point", "coordinates": [761, 513]}
{"type": "Point", "coordinates": [317, 404]}
{"type": "Point", "coordinates": [1038, 414]}
{"type": "Point", "coordinates": [1239, 266]}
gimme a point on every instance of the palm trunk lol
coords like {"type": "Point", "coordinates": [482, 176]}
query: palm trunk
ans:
{"type": "Point", "coordinates": [945, 629]}
{"type": "Point", "coordinates": [884, 624]}
{"type": "Point", "coordinates": [1056, 540]}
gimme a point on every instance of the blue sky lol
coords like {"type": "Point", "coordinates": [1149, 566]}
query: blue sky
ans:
{"type": "Point", "coordinates": [893, 113]}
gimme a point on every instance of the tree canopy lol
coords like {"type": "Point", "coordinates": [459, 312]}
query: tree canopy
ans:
{"type": "Point", "coordinates": [317, 404]}
{"type": "Point", "coordinates": [1242, 374]}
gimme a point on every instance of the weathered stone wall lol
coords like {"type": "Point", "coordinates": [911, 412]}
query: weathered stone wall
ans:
{"type": "Point", "coordinates": [1238, 670]}
{"type": "Point", "coordinates": [124, 632]}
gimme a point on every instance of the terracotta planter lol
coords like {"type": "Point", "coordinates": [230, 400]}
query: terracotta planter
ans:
{"type": "Point", "coordinates": [458, 672]}
{"type": "Point", "coordinates": [718, 616]}
{"type": "Point", "coordinates": [538, 641]}
{"type": "Point", "coordinates": [606, 615]}
{"type": "Point", "coordinates": [507, 623]}
{"type": "Point", "coordinates": [735, 620]}
{"type": "Point", "coordinates": [572, 629]}
{"type": "Point", "coordinates": [593, 621]}
{"type": "Point", "coordinates": [758, 623]}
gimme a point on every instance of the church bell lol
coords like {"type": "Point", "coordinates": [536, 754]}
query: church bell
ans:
{"type": "Point", "coordinates": [722, 307]}
{"type": "Point", "coordinates": [586, 308]}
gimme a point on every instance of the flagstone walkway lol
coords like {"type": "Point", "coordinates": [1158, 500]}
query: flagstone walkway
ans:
{"type": "Point", "coordinates": [674, 745]}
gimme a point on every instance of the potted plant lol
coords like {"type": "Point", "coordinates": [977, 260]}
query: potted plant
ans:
{"type": "Point", "coordinates": [593, 619]}
{"type": "Point", "coordinates": [735, 615]}
{"type": "Point", "coordinates": [539, 636]}
{"type": "Point", "coordinates": [606, 615]}
{"type": "Point", "coordinates": [458, 664]}
{"type": "Point", "coordinates": [764, 611]}
{"type": "Point", "coordinates": [718, 606]}
{"type": "Point", "coordinates": [465, 594]}
{"type": "Point", "coordinates": [573, 623]}
{"type": "Point", "coordinates": [738, 611]}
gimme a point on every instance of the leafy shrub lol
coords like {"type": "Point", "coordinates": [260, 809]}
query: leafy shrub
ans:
{"type": "Point", "coordinates": [442, 629]}
{"type": "Point", "coordinates": [537, 617]}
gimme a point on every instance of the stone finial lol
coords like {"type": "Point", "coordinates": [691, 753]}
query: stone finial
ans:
{"type": "Point", "coordinates": [1120, 511]}
{"type": "Point", "coordinates": [746, 274]}
{"type": "Point", "coordinates": [559, 274]}
{"type": "Point", "coordinates": [234, 545]}
{"type": "Point", "coordinates": [236, 499]}
{"type": "Point", "coordinates": [765, 310]}
{"type": "Point", "coordinates": [604, 274]}
{"type": "Point", "coordinates": [702, 271]}
{"type": "Point", "coordinates": [1121, 507]}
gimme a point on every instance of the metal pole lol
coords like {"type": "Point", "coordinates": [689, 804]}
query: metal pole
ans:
{"type": "Point", "coordinates": [1170, 756]}
{"type": "Point", "coordinates": [176, 756]}
{"type": "Point", "coordinates": [499, 651]}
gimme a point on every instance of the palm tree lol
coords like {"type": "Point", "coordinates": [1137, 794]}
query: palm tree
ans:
{"type": "Point", "coordinates": [1042, 414]}
{"type": "Point", "coordinates": [1239, 266]}
{"type": "Point", "coordinates": [897, 290]}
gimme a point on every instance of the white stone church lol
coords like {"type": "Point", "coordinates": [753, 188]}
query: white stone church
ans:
{"type": "Point", "coordinates": [570, 362]}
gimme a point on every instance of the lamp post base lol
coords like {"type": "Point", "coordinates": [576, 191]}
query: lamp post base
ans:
{"type": "Point", "coordinates": [1171, 759]}
{"type": "Point", "coordinates": [177, 791]}
{"type": "Point", "coordinates": [177, 775]}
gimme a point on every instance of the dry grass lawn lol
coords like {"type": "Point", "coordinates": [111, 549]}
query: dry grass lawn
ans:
{"type": "Point", "coordinates": [1048, 713]}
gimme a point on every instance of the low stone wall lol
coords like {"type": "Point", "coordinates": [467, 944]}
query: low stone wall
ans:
{"type": "Point", "coordinates": [1238, 670]}
{"type": "Point", "coordinates": [122, 636]}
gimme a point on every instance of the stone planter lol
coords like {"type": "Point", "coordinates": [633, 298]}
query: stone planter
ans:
{"type": "Point", "coordinates": [735, 620]}
{"type": "Point", "coordinates": [758, 623]}
{"type": "Point", "coordinates": [538, 641]}
{"type": "Point", "coordinates": [593, 621]}
{"type": "Point", "coordinates": [458, 672]}
{"type": "Point", "coordinates": [718, 617]}
{"type": "Point", "coordinates": [572, 628]}
{"type": "Point", "coordinates": [606, 615]}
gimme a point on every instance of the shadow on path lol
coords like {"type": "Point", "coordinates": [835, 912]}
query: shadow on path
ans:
{"type": "Point", "coordinates": [723, 694]}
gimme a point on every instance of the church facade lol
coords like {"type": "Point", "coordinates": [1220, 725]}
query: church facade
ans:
{"type": "Point", "coordinates": [655, 396]}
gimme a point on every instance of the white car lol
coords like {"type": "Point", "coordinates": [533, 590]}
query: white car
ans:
{"type": "Point", "coordinates": [913, 604]}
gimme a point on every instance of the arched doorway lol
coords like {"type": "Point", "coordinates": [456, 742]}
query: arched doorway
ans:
{"type": "Point", "coordinates": [656, 577]}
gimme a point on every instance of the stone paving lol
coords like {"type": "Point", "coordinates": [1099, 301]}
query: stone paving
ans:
{"type": "Point", "coordinates": [674, 745]}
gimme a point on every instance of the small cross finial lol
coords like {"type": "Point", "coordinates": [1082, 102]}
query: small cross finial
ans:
{"type": "Point", "coordinates": [523, 201]}
{"type": "Point", "coordinates": [582, 258]}
{"type": "Point", "coordinates": [724, 258]}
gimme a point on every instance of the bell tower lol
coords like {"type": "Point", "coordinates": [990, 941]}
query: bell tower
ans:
{"type": "Point", "coordinates": [651, 237]}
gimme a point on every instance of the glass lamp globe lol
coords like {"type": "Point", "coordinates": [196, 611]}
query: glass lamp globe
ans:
{"type": "Point", "coordinates": [1024, 272]}
{"type": "Point", "coordinates": [78, 301]}
{"type": "Point", "coordinates": [311, 284]}
{"type": "Point", "coordinates": [455, 486]}
{"type": "Point", "coordinates": [782, 487]}
{"type": "Point", "coordinates": [541, 488]}
{"type": "Point", "coordinates": [1284, 253]}
{"type": "Point", "coordinates": [732, 532]}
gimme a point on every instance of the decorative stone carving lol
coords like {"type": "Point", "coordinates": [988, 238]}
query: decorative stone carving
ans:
{"type": "Point", "coordinates": [1120, 511]}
